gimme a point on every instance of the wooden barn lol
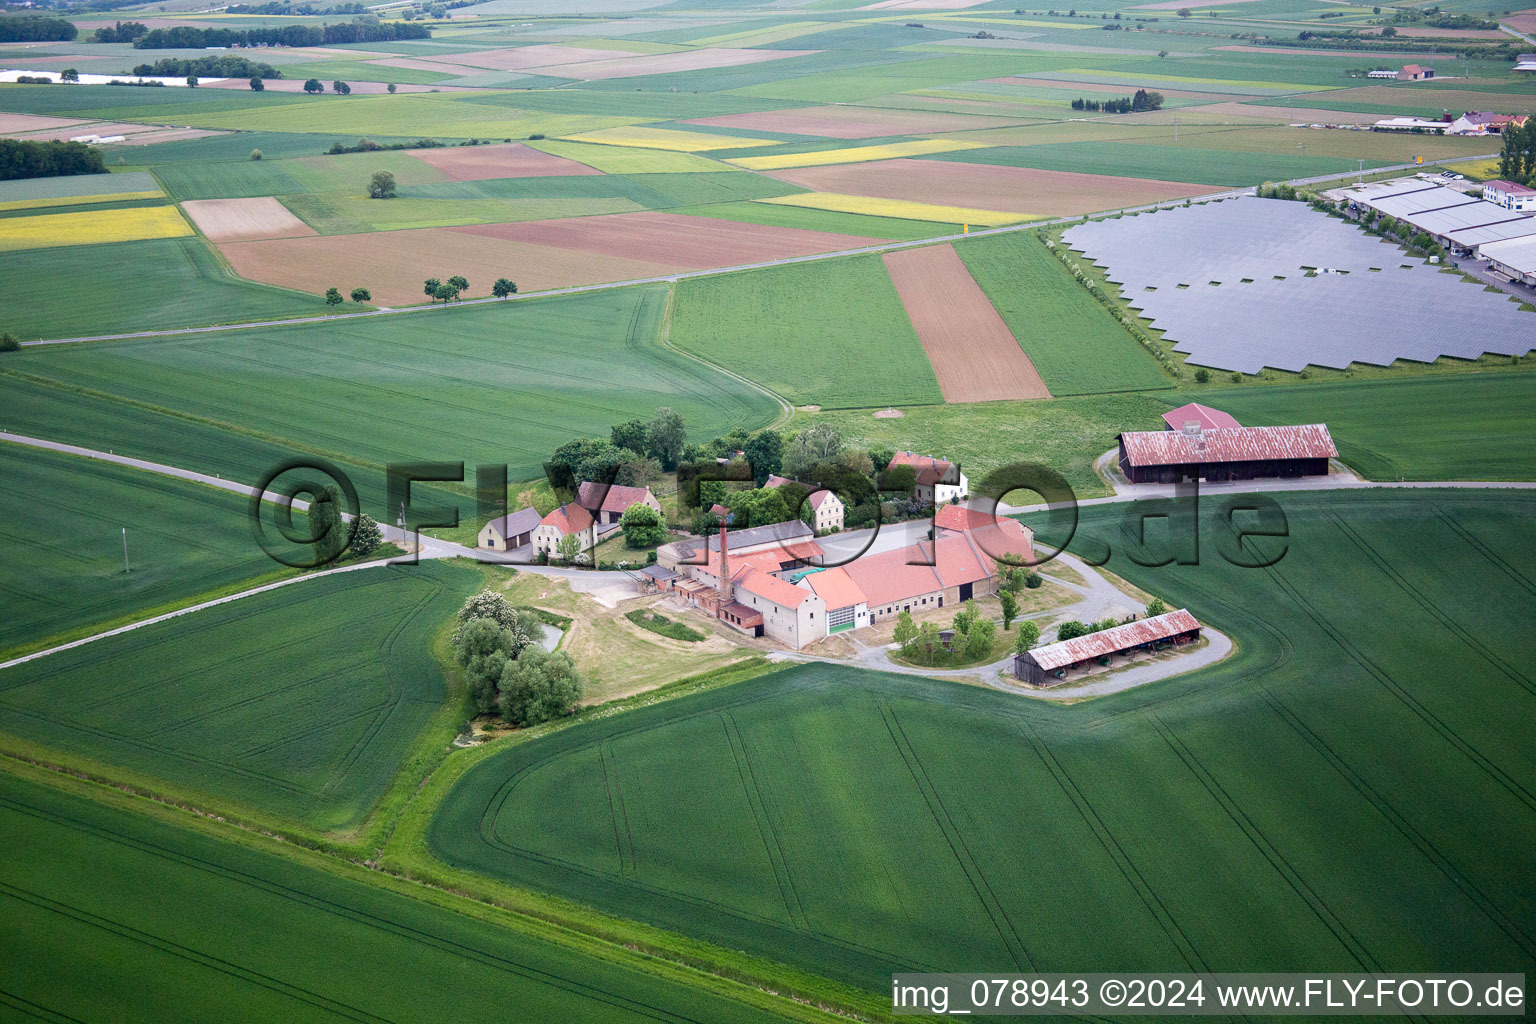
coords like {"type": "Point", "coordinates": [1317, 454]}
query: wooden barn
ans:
{"type": "Point", "coordinates": [1049, 665]}
{"type": "Point", "coordinates": [1225, 453]}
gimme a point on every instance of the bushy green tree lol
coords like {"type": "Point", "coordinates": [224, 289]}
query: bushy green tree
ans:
{"type": "Point", "coordinates": [361, 295]}
{"type": "Point", "coordinates": [327, 530]}
{"type": "Point", "coordinates": [381, 185]}
{"type": "Point", "coordinates": [1010, 607]}
{"type": "Point", "coordinates": [1072, 629]}
{"type": "Point", "coordinates": [333, 297]}
{"type": "Point", "coordinates": [927, 642]}
{"type": "Point", "coordinates": [504, 287]}
{"type": "Point", "coordinates": [8, 342]}
{"type": "Point", "coordinates": [665, 436]}
{"type": "Point", "coordinates": [1029, 635]}
{"type": "Point", "coordinates": [965, 617]}
{"type": "Point", "coordinates": [313, 86]}
{"type": "Point", "coordinates": [978, 638]}
{"type": "Point", "coordinates": [642, 526]}
{"type": "Point", "coordinates": [366, 536]}
{"type": "Point", "coordinates": [257, 85]}
{"type": "Point", "coordinates": [1156, 607]}
{"type": "Point", "coordinates": [765, 454]}
{"type": "Point", "coordinates": [539, 687]}
{"type": "Point", "coordinates": [906, 631]}
{"type": "Point", "coordinates": [629, 434]}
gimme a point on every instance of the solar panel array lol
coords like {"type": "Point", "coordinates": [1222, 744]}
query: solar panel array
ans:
{"type": "Point", "coordinates": [1230, 284]}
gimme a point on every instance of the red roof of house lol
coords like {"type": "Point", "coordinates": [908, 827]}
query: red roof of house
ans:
{"type": "Point", "coordinates": [1116, 638]}
{"type": "Point", "coordinates": [617, 499]}
{"type": "Point", "coordinates": [928, 469]}
{"type": "Point", "coordinates": [963, 518]}
{"type": "Point", "coordinates": [1229, 444]}
{"type": "Point", "coordinates": [568, 519]}
{"type": "Point", "coordinates": [771, 588]}
{"type": "Point", "coordinates": [959, 562]}
{"type": "Point", "coordinates": [768, 560]}
{"type": "Point", "coordinates": [887, 578]}
{"type": "Point", "coordinates": [835, 587]}
{"type": "Point", "coordinates": [1413, 69]}
{"type": "Point", "coordinates": [774, 480]}
{"type": "Point", "coordinates": [818, 497]}
{"type": "Point", "coordinates": [993, 537]}
{"type": "Point", "coordinates": [1208, 418]}
{"type": "Point", "coordinates": [1512, 187]}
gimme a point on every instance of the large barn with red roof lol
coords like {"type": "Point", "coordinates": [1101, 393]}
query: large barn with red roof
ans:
{"type": "Point", "coordinates": [1196, 452]}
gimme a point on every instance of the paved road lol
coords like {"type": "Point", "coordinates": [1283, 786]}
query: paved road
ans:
{"type": "Point", "coordinates": [684, 275]}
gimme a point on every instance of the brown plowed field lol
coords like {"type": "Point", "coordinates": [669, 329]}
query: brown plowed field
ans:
{"type": "Point", "coordinates": [242, 220]}
{"type": "Point", "coordinates": [514, 160]}
{"type": "Point", "coordinates": [393, 264]}
{"type": "Point", "coordinates": [517, 58]}
{"type": "Point", "coordinates": [20, 124]}
{"type": "Point", "coordinates": [974, 355]}
{"type": "Point", "coordinates": [985, 187]}
{"type": "Point", "coordinates": [854, 122]}
{"type": "Point", "coordinates": [422, 64]}
{"type": "Point", "coordinates": [631, 65]}
{"type": "Point", "coordinates": [681, 242]}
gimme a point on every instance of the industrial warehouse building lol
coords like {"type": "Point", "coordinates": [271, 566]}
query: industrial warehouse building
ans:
{"type": "Point", "coordinates": [1454, 219]}
{"type": "Point", "coordinates": [1052, 664]}
{"type": "Point", "coordinates": [1515, 258]}
{"type": "Point", "coordinates": [1225, 453]}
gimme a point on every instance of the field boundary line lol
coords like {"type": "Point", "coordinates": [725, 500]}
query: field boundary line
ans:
{"type": "Point", "coordinates": [623, 839]}
{"type": "Point", "coordinates": [664, 340]}
{"type": "Point", "coordinates": [769, 835]}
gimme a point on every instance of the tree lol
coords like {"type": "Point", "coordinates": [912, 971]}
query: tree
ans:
{"type": "Point", "coordinates": [1202, 376]}
{"type": "Point", "coordinates": [569, 547]}
{"type": "Point", "coordinates": [488, 604]}
{"type": "Point", "coordinates": [1033, 580]}
{"type": "Point", "coordinates": [484, 647]}
{"type": "Point", "coordinates": [391, 88]}
{"type": "Point", "coordinates": [255, 154]}
{"type": "Point", "coordinates": [341, 88]}
{"type": "Point", "coordinates": [765, 454]}
{"type": "Point", "coordinates": [459, 284]}
{"type": "Point", "coordinates": [1010, 607]}
{"type": "Point", "coordinates": [965, 617]}
{"type": "Point", "coordinates": [539, 687]}
{"type": "Point", "coordinates": [978, 639]}
{"type": "Point", "coordinates": [257, 85]}
{"type": "Point", "coordinates": [906, 631]}
{"type": "Point", "coordinates": [1072, 629]}
{"type": "Point", "coordinates": [69, 75]}
{"type": "Point", "coordinates": [313, 87]}
{"type": "Point", "coordinates": [8, 342]}
{"type": "Point", "coordinates": [664, 437]}
{"type": "Point", "coordinates": [629, 434]}
{"type": "Point", "coordinates": [927, 642]}
{"type": "Point", "coordinates": [1388, 32]}
{"type": "Point", "coordinates": [327, 532]}
{"type": "Point", "coordinates": [366, 536]}
{"type": "Point", "coordinates": [361, 295]}
{"type": "Point", "coordinates": [191, 81]}
{"type": "Point", "coordinates": [446, 292]}
{"type": "Point", "coordinates": [381, 185]}
{"type": "Point", "coordinates": [1184, 12]}
{"type": "Point", "coordinates": [816, 443]}
{"type": "Point", "coordinates": [333, 297]}
{"type": "Point", "coordinates": [1029, 635]}
{"type": "Point", "coordinates": [642, 526]}
{"type": "Point", "coordinates": [430, 287]}
{"type": "Point", "coordinates": [1156, 607]}
{"type": "Point", "coordinates": [503, 287]}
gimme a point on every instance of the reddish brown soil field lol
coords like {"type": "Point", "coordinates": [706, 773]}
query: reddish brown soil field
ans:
{"type": "Point", "coordinates": [629, 65]}
{"type": "Point", "coordinates": [974, 355]}
{"type": "Point", "coordinates": [681, 242]}
{"type": "Point", "coordinates": [1523, 21]}
{"type": "Point", "coordinates": [1010, 189]}
{"type": "Point", "coordinates": [478, 163]}
{"type": "Point", "coordinates": [242, 220]}
{"type": "Point", "coordinates": [392, 264]}
{"type": "Point", "coordinates": [854, 122]}
{"type": "Point", "coordinates": [19, 124]}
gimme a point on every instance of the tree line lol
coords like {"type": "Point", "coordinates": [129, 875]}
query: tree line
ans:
{"type": "Point", "coordinates": [20, 159]}
{"type": "Point", "coordinates": [1143, 100]}
{"type": "Point", "coordinates": [184, 37]}
{"type": "Point", "coordinates": [36, 30]}
{"type": "Point", "coordinates": [1517, 161]}
{"type": "Point", "coordinates": [208, 67]}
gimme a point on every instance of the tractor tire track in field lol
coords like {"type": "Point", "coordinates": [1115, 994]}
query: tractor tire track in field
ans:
{"type": "Point", "coordinates": [769, 835]}
{"type": "Point", "coordinates": [1133, 876]}
{"type": "Point", "coordinates": [409, 933]}
{"type": "Point", "coordinates": [187, 953]}
{"type": "Point", "coordinates": [1384, 807]}
{"type": "Point", "coordinates": [1396, 689]}
{"type": "Point", "coordinates": [36, 1011]}
{"type": "Point", "coordinates": [1493, 557]}
{"type": "Point", "coordinates": [1465, 636]}
{"type": "Point", "coordinates": [1006, 931]}
{"type": "Point", "coordinates": [1271, 853]}
{"type": "Point", "coordinates": [618, 813]}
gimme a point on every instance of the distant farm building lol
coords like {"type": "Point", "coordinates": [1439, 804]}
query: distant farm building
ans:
{"type": "Point", "coordinates": [827, 509]}
{"type": "Point", "coordinates": [1202, 416]}
{"type": "Point", "coordinates": [1526, 62]}
{"type": "Point", "coordinates": [1462, 223]}
{"type": "Point", "coordinates": [510, 531]}
{"type": "Point", "coordinates": [1415, 73]}
{"type": "Point", "coordinates": [565, 521]}
{"type": "Point", "coordinates": [1225, 453]}
{"type": "Point", "coordinates": [1050, 665]}
{"type": "Point", "coordinates": [607, 502]}
{"type": "Point", "coordinates": [1481, 122]}
{"type": "Point", "coordinates": [938, 481]}
{"type": "Point", "coordinates": [1422, 125]}
{"type": "Point", "coordinates": [1511, 195]}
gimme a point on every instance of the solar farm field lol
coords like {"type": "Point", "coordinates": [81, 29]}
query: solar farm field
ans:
{"type": "Point", "coordinates": [481, 384]}
{"type": "Point", "coordinates": [64, 519]}
{"type": "Point", "coordinates": [304, 925]}
{"type": "Point", "coordinates": [298, 704]}
{"type": "Point", "coordinates": [837, 338]}
{"type": "Point", "coordinates": [827, 816]}
{"type": "Point", "coordinates": [1073, 341]}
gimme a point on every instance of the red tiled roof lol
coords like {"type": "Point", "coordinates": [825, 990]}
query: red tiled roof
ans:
{"type": "Point", "coordinates": [1208, 418]}
{"type": "Point", "coordinates": [958, 562]}
{"type": "Point", "coordinates": [617, 499]}
{"type": "Point", "coordinates": [963, 518]}
{"type": "Point", "coordinates": [1116, 638]}
{"type": "Point", "coordinates": [568, 519]}
{"type": "Point", "coordinates": [835, 587]}
{"type": "Point", "coordinates": [769, 560]}
{"type": "Point", "coordinates": [1512, 187]}
{"type": "Point", "coordinates": [817, 497]}
{"type": "Point", "coordinates": [1005, 540]}
{"type": "Point", "coordinates": [928, 469]}
{"type": "Point", "coordinates": [774, 480]}
{"type": "Point", "coordinates": [886, 578]}
{"type": "Point", "coordinates": [1229, 444]}
{"type": "Point", "coordinates": [771, 588]}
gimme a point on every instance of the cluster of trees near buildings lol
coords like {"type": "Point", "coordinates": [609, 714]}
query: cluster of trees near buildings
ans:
{"type": "Point", "coordinates": [32, 29]}
{"type": "Point", "coordinates": [363, 30]}
{"type": "Point", "coordinates": [1143, 100]}
{"type": "Point", "coordinates": [1517, 160]}
{"type": "Point", "coordinates": [506, 670]}
{"type": "Point", "coordinates": [21, 159]}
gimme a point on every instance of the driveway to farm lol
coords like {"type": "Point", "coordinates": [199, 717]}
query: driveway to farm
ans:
{"type": "Point", "coordinates": [673, 278]}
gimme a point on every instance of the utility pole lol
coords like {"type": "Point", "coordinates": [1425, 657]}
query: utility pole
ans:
{"type": "Point", "coordinates": [125, 550]}
{"type": "Point", "coordinates": [1360, 180]}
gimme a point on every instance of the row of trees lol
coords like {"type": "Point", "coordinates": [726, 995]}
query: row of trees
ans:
{"type": "Point", "coordinates": [122, 32]}
{"type": "Point", "coordinates": [185, 37]}
{"type": "Point", "coordinates": [31, 29]}
{"type": "Point", "coordinates": [359, 295]}
{"type": "Point", "coordinates": [1141, 101]}
{"type": "Point", "coordinates": [223, 66]}
{"type": "Point", "coordinates": [971, 637]}
{"type": "Point", "coordinates": [505, 668]}
{"type": "Point", "coordinates": [20, 159]}
{"type": "Point", "coordinates": [447, 291]}
{"type": "Point", "coordinates": [633, 454]}
{"type": "Point", "coordinates": [1517, 160]}
{"type": "Point", "coordinates": [330, 535]}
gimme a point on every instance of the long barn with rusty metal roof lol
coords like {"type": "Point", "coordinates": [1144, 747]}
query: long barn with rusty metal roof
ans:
{"type": "Point", "coordinates": [1225, 453]}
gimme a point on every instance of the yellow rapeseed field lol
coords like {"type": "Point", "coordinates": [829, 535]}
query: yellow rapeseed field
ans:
{"type": "Point", "coordinates": [1479, 170]}
{"type": "Point", "coordinates": [114, 197]}
{"type": "Point", "coordinates": [667, 138]}
{"type": "Point", "coordinates": [902, 208]}
{"type": "Point", "coordinates": [853, 154]}
{"type": "Point", "coordinates": [91, 227]}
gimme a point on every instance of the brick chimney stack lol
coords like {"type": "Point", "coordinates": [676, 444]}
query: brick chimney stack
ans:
{"type": "Point", "coordinates": [725, 563]}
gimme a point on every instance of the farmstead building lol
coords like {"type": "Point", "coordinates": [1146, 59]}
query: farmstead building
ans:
{"type": "Point", "coordinates": [1051, 664]}
{"type": "Point", "coordinates": [607, 502]}
{"type": "Point", "coordinates": [565, 521]}
{"type": "Point", "coordinates": [1225, 453]}
{"type": "Point", "coordinates": [938, 482]}
{"type": "Point", "coordinates": [510, 532]}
